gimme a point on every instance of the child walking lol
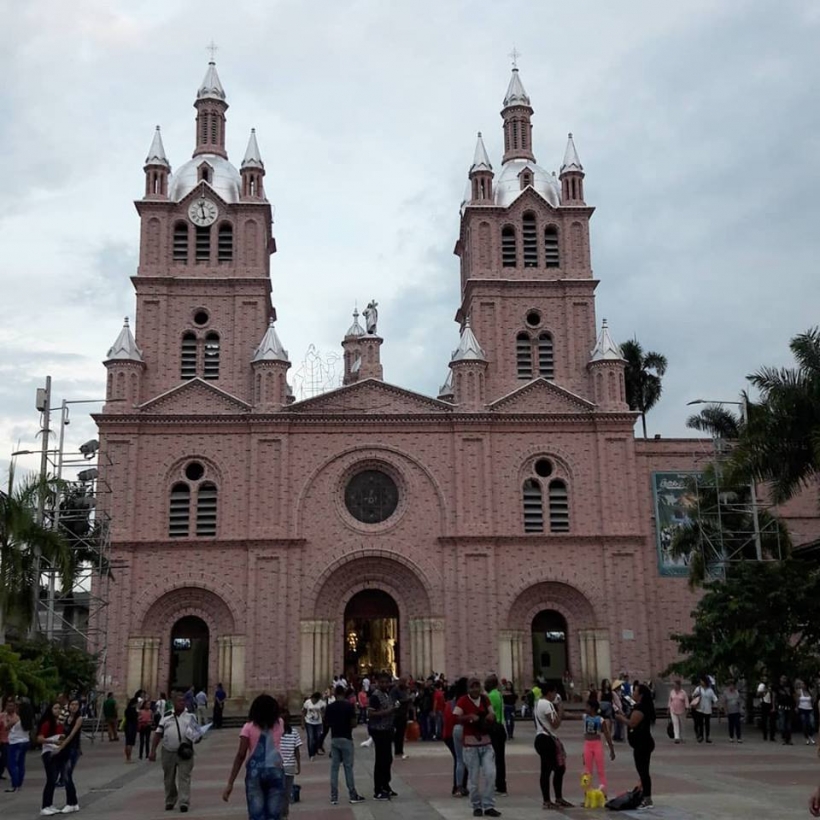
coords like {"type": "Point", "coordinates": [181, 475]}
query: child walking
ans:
{"type": "Point", "coordinates": [594, 727]}
{"type": "Point", "coordinates": [292, 758]}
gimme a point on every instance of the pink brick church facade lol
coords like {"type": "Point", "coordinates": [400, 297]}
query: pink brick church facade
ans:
{"type": "Point", "coordinates": [519, 489]}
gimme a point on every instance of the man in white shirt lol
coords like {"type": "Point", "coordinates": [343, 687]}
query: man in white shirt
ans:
{"type": "Point", "coordinates": [313, 715]}
{"type": "Point", "coordinates": [202, 707]}
{"type": "Point", "coordinates": [177, 729]}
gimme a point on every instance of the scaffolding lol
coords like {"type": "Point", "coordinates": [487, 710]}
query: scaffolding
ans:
{"type": "Point", "coordinates": [75, 505]}
{"type": "Point", "coordinates": [732, 524]}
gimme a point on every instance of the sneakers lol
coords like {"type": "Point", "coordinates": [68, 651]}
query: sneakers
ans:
{"type": "Point", "coordinates": [492, 813]}
{"type": "Point", "coordinates": [646, 803]}
{"type": "Point", "coordinates": [381, 796]}
{"type": "Point", "coordinates": [367, 743]}
{"type": "Point", "coordinates": [478, 812]}
{"type": "Point", "coordinates": [405, 757]}
{"type": "Point", "coordinates": [357, 798]}
{"type": "Point", "coordinates": [49, 811]}
{"type": "Point", "coordinates": [70, 809]}
{"type": "Point", "coordinates": [183, 808]}
{"type": "Point", "coordinates": [334, 801]}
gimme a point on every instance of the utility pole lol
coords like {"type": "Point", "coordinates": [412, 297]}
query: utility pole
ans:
{"type": "Point", "coordinates": [744, 409]}
{"type": "Point", "coordinates": [43, 404]}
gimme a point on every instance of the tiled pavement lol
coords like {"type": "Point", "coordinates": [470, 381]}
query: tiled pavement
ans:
{"type": "Point", "coordinates": [692, 781]}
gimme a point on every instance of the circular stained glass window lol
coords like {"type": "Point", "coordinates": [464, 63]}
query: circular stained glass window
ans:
{"type": "Point", "coordinates": [371, 496]}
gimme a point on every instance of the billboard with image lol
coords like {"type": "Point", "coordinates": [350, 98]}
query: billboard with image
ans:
{"type": "Point", "coordinates": [673, 498]}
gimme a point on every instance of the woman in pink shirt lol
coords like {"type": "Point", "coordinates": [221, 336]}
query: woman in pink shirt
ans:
{"type": "Point", "coordinates": [678, 704]}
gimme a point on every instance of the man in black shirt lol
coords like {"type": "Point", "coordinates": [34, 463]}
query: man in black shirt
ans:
{"type": "Point", "coordinates": [784, 700]}
{"type": "Point", "coordinates": [380, 723]}
{"type": "Point", "coordinates": [400, 695]}
{"type": "Point", "coordinates": [340, 718]}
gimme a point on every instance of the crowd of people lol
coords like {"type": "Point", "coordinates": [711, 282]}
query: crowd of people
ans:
{"type": "Point", "coordinates": [475, 720]}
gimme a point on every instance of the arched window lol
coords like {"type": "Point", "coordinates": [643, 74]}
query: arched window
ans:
{"type": "Point", "coordinates": [206, 509]}
{"type": "Point", "coordinates": [530, 240]}
{"type": "Point", "coordinates": [546, 361]}
{"type": "Point", "coordinates": [224, 252]}
{"type": "Point", "coordinates": [188, 357]}
{"type": "Point", "coordinates": [551, 256]}
{"type": "Point", "coordinates": [559, 506]}
{"type": "Point", "coordinates": [523, 355]}
{"type": "Point", "coordinates": [533, 508]}
{"type": "Point", "coordinates": [508, 250]}
{"type": "Point", "coordinates": [179, 511]}
{"type": "Point", "coordinates": [181, 242]}
{"type": "Point", "coordinates": [203, 244]}
{"type": "Point", "coordinates": [210, 368]}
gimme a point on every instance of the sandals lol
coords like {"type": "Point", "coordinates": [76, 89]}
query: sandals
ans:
{"type": "Point", "coordinates": [564, 804]}
{"type": "Point", "coordinates": [550, 806]}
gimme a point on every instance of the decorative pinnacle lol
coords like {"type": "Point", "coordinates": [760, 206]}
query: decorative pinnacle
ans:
{"type": "Point", "coordinates": [514, 55]}
{"type": "Point", "coordinates": [213, 48]}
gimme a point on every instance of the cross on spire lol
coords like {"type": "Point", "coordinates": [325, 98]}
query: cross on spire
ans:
{"type": "Point", "coordinates": [514, 55]}
{"type": "Point", "coordinates": [212, 48]}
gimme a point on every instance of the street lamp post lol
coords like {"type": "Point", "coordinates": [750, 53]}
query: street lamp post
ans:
{"type": "Point", "coordinates": [744, 415]}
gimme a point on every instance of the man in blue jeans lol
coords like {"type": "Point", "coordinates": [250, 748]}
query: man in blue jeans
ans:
{"type": "Point", "coordinates": [475, 712]}
{"type": "Point", "coordinates": [340, 718]}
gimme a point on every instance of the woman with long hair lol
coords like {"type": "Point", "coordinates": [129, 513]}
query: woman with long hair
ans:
{"type": "Point", "coordinates": [50, 734]}
{"type": "Point", "coordinates": [131, 720]}
{"type": "Point", "coordinates": [21, 720]}
{"type": "Point", "coordinates": [547, 714]}
{"type": "Point", "coordinates": [259, 744]}
{"type": "Point", "coordinates": [69, 753]}
{"type": "Point", "coordinates": [449, 730]}
{"type": "Point", "coordinates": [605, 699]}
{"type": "Point", "coordinates": [639, 725]}
{"type": "Point", "coordinates": [145, 725]}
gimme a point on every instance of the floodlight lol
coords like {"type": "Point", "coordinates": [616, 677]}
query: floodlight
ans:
{"type": "Point", "coordinates": [88, 475]}
{"type": "Point", "coordinates": [89, 449]}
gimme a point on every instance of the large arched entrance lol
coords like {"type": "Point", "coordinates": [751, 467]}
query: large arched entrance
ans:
{"type": "Point", "coordinates": [549, 646]}
{"type": "Point", "coordinates": [371, 634]}
{"type": "Point", "coordinates": [190, 638]}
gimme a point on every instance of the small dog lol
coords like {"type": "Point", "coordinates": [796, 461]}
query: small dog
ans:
{"type": "Point", "coordinates": [593, 798]}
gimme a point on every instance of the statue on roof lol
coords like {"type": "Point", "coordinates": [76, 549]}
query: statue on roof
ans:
{"type": "Point", "coordinates": [371, 316]}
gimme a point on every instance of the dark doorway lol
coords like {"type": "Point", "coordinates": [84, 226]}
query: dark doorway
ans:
{"type": "Point", "coordinates": [371, 638]}
{"type": "Point", "coordinates": [549, 646]}
{"type": "Point", "coordinates": [189, 653]}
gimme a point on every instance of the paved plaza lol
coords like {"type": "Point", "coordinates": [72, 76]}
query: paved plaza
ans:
{"type": "Point", "coordinates": [691, 781]}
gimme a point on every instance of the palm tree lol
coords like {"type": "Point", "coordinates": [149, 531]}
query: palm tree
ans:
{"type": "Point", "coordinates": [716, 420]}
{"type": "Point", "coordinates": [22, 538]}
{"type": "Point", "coordinates": [643, 375]}
{"type": "Point", "coordinates": [781, 441]}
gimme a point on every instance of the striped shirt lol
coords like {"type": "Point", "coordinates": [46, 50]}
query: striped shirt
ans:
{"type": "Point", "coordinates": [288, 745]}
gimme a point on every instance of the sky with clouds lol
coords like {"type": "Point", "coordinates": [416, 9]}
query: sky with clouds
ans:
{"type": "Point", "coordinates": [697, 123]}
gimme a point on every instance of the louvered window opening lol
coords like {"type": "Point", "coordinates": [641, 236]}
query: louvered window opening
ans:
{"type": "Point", "coordinates": [188, 358]}
{"type": "Point", "coordinates": [508, 252]}
{"type": "Point", "coordinates": [206, 509]}
{"type": "Point", "coordinates": [214, 129]}
{"type": "Point", "coordinates": [203, 127]}
{"type": "Point", "coordinates": [546, 361]}
{"type": "Point", "coordinates": [559, 507]}
{"type": "Point", "coordinates": [211, 359]}
{"type": "Point", "coordinates": [523, 356]}
{"type": "Point", "coordinates": [551, 257]}
{"type": "Point", "coordinates": [203, 244]}
{"type": "Point", "coordinates": [181, 242]}
{"type": "Point", "coordinates": [179, 511]}
{"type": "Point", "coordinates": [530, 239]}
{"type": "Point", "coordinates": [225, 243]}
{"type": "Point", "coordinates": [533, 508]}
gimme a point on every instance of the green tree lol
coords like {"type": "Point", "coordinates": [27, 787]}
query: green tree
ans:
{"type": "Point", "coordinates": [74, 668]}
{"type": "Point", "coordinates": [780, 443]}
{"type": "Point", "coordinates": [22, 676]}
{"type": "Point", "coordinates": [22, 536]}
{"type": "Point", "coordinates": [763, 618]}
{"type": "Point", "coordinates": [642, 378]}
{"type": "Point", "coordinates": [717, 421]}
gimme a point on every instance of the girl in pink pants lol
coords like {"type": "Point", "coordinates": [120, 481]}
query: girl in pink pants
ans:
{"type": "Point", "coordinates": [594, 727]}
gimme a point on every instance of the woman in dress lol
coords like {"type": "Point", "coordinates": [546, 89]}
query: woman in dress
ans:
{"type": "Point", "coordinates": [131, 721]}
{"type": "Point", "coordinates": [639, 725]}
{"type": "Point", "coordinates": [50, 734]}
{"type": "Point", "coordinates": [259, 744]}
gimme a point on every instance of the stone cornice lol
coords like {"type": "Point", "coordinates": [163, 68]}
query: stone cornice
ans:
{"type": "Point", "coordinates": [261, 544]}
{"type": "Point", "coordinates": [542, 539]}
{"type": "Point", "coordinates": [228, 280]}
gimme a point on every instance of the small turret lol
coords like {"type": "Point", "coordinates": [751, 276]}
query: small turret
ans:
{"type": "Point", "coordinates": [252, 171]}
{"type": "Point", "coordinates": [157, 169]}
{"type": "Point", "coordinates": [481, 174]}
{"type": "Point", "coordinates": [572, 176]}
{"type": "Point", "coordinates": [270, 365]}
{"type": "Point", "coordinates": [517, 114]}
{"type": "Point", "coordinates": [361, 353]}
{"type": "Point", "coordinates": [125, 366]}
{"type": "Point", "coordinates": [607, 368]}
{"type": "Point", "coordinates": [211, 106]}
{"type": "Point", "coordinates": [469, 371]}
{"type": "Point", "coordinates": [445, 392]}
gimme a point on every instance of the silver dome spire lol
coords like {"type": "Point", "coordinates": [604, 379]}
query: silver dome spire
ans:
{"type": "Point", "coordinates": [253, 158]}
{"type": "Point", "coordinates": [156, 153]}
{"type": "Point", "coordinates": [211, 88]}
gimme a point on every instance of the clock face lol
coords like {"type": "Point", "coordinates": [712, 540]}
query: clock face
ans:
{"type": "Point", "coordinates": [203, 212]}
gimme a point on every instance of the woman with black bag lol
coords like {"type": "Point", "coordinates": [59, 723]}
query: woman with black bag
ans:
{"type": "Point", "coordinates": [639, 724]}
